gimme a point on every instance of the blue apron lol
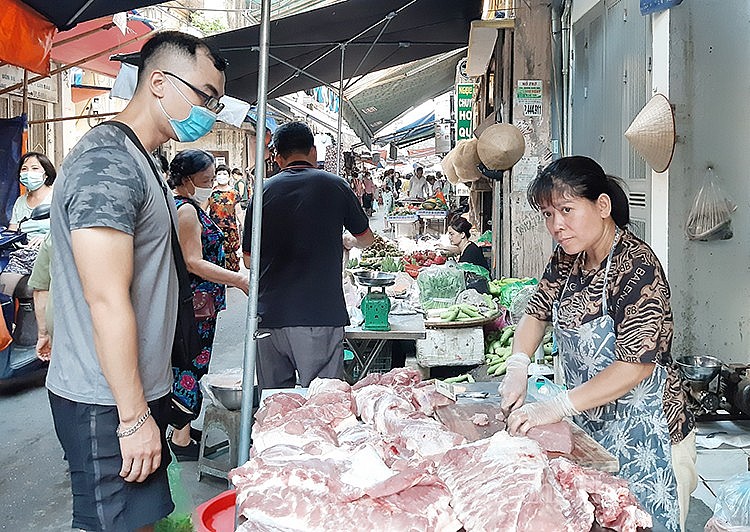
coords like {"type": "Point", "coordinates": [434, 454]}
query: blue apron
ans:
{"type": "Point", "coordinates": [633, 428]}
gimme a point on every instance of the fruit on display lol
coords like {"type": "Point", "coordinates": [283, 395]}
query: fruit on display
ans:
{"type": "Point", "coordinates": [434, 204]}
{"type": "Point", "coordinates": [424, 258]}
{"type": "Point", "coordinates": [403, 211]}
{"type": "Point", "coordinates": [382, 255]}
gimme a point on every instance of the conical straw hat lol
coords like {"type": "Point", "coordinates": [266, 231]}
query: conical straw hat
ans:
{"type": "Point", "coordinates": [448, 170]}
{"type": "Point", "coordinates": [501, 146]}
{"type": "Point", "coordinates": [652, 133]}
{"type": "Point", "coordinates": [466, 160]}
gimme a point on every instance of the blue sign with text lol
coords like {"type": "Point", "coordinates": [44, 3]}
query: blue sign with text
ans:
{"type": "Point", "coordinates": [654, 6]}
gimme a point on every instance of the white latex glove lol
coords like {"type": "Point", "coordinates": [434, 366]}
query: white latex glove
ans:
{"type": "Point", "coordinates": [540, 413]}
{"type": "Point", "coordinates": [513, 388]}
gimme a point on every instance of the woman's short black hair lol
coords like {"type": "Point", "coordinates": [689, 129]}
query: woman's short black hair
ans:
{"type": "Point", "coordinates": [49, 168]}
{"type": "Point", "coordinates": [461, 225]}
{"type": "Point", "coordinates": [580, 177]}
{"type": "Point", "coordinates": [237, 171]}
{"type": "Point", "coordinates": [186, 164]}
{"type": "Point", "coordinates": [222, 168]}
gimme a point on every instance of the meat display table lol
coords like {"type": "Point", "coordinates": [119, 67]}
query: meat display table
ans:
{"type": "Point", "coordinates": [367, 345]}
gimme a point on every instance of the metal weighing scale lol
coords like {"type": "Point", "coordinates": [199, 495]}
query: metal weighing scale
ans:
{"type": "Point", "coordinates": [376, 304]}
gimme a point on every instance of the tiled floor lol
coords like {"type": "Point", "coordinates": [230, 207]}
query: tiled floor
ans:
{"type": "Point", "coordinates": [715, 466]}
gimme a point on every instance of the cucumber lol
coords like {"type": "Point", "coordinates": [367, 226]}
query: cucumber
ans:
{"type": "Point", "coordinates": [507, 335]}
{"type": "Point", "coordinates": [456, 379]}
{"type": "Point", "coordinates": [500, 370]}
{"type": "Point", "coordinates": [470, 310]}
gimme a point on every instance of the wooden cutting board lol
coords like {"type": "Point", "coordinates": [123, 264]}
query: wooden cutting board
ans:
{"type": "Point", "coordinates": [587, 452]}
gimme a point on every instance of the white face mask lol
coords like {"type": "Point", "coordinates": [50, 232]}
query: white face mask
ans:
{"type": "Point", "coordinates": [222, 179]}
{"type": "Point", "coordinates": [201, 194]}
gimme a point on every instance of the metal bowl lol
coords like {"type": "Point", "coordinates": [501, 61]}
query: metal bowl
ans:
{"type": "Point", "coordinates": [230, 398]}
{"type": "Point", "coordinates": [699, 368]}
{"type": "Point", "coordinates": [373, 278]}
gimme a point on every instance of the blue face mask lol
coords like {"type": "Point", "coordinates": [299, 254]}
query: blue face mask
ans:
{"type": "Point", "coordinates": [32, 180]}
{"type": "Point", "coordinates": [197, 124]}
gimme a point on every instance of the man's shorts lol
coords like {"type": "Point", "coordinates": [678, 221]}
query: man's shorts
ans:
{"type": "Point", "coordinates": [102, 499]}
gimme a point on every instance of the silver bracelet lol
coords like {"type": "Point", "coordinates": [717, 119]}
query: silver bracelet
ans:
{"type": "Point", "coordinates": [138, 424]}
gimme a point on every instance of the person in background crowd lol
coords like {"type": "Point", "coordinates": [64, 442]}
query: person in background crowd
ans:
{"type": "Point", "coordinates": [241, 187]}
{"type": "Point", "coordinates": [191, 175]}
{"type": "Point", "coordinates": [40, 282]}
{"type": "Point", "coordinates": [358, 186]}
{"type": "Point", "coordinates": [224, 209]}
{"type": "Point", "coordinates": [459, 231]}
{"type": "Point", "coordinates": [368, 193]}
{"type": "Point", "coordinates": [305, 212]}
{"type": "Point", "coordinates": [37, 173]}
{"type": "Point", "coordinates": [607, 297]}
{"type": "Point", "coordinates": [418, 186]}
{"type": "Point", "coordinates": [116, 289]}
{"type": "Point", "coordinates": [397, 185]}
{"type": "Point", "coordinates": [387, 196]}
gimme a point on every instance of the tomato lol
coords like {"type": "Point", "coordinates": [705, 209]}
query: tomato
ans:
{"type": "Point", "coordinates": [439, 259]}
{"type": "Point", "coordinates": [431, 255]}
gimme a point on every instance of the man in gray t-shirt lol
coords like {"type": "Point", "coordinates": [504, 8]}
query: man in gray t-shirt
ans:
{"type": "Point", "coordinates": [116, 289]}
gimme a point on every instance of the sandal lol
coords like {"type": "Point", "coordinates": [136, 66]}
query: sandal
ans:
{"type": "Point", "coordinates": [186, 453]}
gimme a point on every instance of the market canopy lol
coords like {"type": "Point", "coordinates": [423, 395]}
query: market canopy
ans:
{"type": "Point", "coordinates": [91, 38]}
{"type": "Point", "coordinates": [29, 28]}
{"type": "Point", "coordinates": [67, 13]}
{"type": "Point", "coordinates": [418, 130]}
{"type": "Point", "coordinates": [305, 49]}
{"type": "Point", "coordinates": [401, 88]}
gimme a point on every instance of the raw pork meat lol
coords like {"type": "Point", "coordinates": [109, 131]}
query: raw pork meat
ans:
{"type": "Point", "coordinates": [426, 399]}
{"type": "Point", "coordinates": [319, 385]}
{"type": "Point", "coordinates": [505, 483]}
{"type": "Point", "coordinates": [288, 490]}
{"type": "Point", "coordinates": [392, 415]}
{"type": "Point", "coordinates": [614, 506]}
{"type": "Point", "coordinates": [556, 437]}
{"type": "Point", "coordinates": [311, 424]}
{"type": "Point", "coordinates": [480, 419]}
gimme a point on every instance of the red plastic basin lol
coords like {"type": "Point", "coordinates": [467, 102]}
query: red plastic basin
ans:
{"type": "Point", "coordinates": [217, 514]}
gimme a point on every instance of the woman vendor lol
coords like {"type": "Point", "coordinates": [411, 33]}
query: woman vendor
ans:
{"type": "Point", "coordinates": [459, 230]}
{"type": "Point", "coordinates": [607, 297]}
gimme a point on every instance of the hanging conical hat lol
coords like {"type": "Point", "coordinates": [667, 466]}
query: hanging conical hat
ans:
{"type": "Point", "coordinates": [448, 170]}
{"type": "Point", "coordinates": [501, 146]}
{"type": "Point", "coordinates": [466, 160]}
{"type": "Point", "coordinates": [652, 133]}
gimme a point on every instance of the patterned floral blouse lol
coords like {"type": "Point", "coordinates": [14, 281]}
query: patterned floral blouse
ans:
{"type": "Point", "coordinates": [638, 297]}
{"type": "Point", "coordinates": [212, 243]}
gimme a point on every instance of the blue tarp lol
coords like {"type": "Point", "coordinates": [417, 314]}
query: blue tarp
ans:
{"type": "Point", "coordinates": [11, 139]}
{"type": "Point", "coordinates": [417, 130]}
{"type": "Point", "coordinates": [271, 124]}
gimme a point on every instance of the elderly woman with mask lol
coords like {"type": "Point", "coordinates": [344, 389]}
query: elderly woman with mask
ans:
{"type": "Point", "coordinates": [191, 176]}
{"type": "Point", "coordinates": [606, 295]}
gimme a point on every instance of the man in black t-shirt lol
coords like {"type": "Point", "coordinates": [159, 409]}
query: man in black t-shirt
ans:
{"type": "Point", "coordinates": [300, 297]}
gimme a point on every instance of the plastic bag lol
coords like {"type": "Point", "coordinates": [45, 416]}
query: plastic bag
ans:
{"type": "Point", "coordinates": [439, 286]}
{"type": "Point", "coordinates": [710, 218]}
{"type": "Point", "coordinates": [180, 520]}
{"type": "Point", "coordinates": [732, 508]}
{"type": "Point", "coordinates": [508, 291]}
{"type": "Point", "coordinates": [540, 388]}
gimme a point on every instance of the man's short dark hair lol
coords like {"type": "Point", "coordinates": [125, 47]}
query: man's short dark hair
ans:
{"type": "Point", "coordinates": [175, 43]}
{"type": "Point", "coordinates": [293, 137]}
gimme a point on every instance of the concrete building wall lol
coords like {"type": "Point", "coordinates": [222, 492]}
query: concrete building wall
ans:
{"type": "Point", "coordinates": [709, 81]}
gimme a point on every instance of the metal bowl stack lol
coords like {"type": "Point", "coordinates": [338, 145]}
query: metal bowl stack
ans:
{"type": "Point", "coordinates": [699, 368]}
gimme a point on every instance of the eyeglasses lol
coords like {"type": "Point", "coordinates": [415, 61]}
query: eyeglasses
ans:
{"type": "Point", "coordinates": [209, 102]}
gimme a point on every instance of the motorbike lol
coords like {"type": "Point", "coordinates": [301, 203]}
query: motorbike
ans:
{"type": "Point", "coordinates": [19, 365]}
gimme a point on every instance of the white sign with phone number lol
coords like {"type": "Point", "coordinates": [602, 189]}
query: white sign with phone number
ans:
{"type": "Point", "coordinates": [529, 94]}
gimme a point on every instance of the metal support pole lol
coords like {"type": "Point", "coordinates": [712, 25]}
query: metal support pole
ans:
{"type": "Point", "coordinates": [341, 113]}
{"type": "Point", "coordinates": [251, 344]}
